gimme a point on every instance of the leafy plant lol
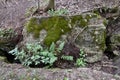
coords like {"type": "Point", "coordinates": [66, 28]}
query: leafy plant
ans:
{"type": "Point", "coordinates": [57, 12]}
{"type": "Point", "coordinates": [65, 78]}
{"type": "Point", "coordinates": [35, 54]}
{"type": "Point", "coordinates": [69, 58]}
{"type": "Point", "coordinates": [60, 47]}
{"type": "Point", "coordinates": [81, 61]}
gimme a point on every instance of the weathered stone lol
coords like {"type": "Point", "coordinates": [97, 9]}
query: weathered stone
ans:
{"type": "Point", "coordinates": [117, 65]}
{"type": "Point", "coordinates": [92, 39]}
{"type": "Point", "coordinates": [115, 43]}
{"type": "Point", "coordinates": [86, 30]}
{"type": "Point", "coordinates": [3, 59]}
{"type": "Point", "coordinates": [113, 34]}
{"type": "Point", "coordinates": [9, 38]}
{"type": "Point", "coordinates": [14, 12]}
{"type": "Point", "coordinates": [19, 73]}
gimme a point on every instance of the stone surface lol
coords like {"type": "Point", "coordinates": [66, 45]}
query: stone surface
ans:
{"type": "Point", "coordinates": [117, 64]}
{"type": "Point", "coordinates": [113, 31]}
{"type": "Point", "coordinates": [9, 38]}
{"type": "Point", "coordinates": [14, 12]}
{"type": "Point", "coordinates": [54, 74]}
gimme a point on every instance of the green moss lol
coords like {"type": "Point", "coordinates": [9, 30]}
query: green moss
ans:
{"type": "Point", "coordinates": [31, 25]}
{"type": "Point", "coordinates": [76, 18]}
{"type": "Point", "coordinates": [55, 27]}
{"type": "Point", "coordinates": [82, 20]}
{"type": "Point", "coordinates": [102, 41]}
{"type": "Point", "coordinates": [105, 22]}
{"type": "Point", "coordinates": [99, 39]}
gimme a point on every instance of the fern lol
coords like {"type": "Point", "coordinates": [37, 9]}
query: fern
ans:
{"type": "Point", "coordinates": [69, 58]}
{"type": "Point", "coordinates": [35, 54]}
{"type": "Point", "coordinates": [61, 46]}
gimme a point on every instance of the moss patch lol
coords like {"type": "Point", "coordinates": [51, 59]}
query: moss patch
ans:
{"type": "Point", "coordinates": [82, 20]}
{"type": "Point", "coordinates": [55, 27]}
{"type": "Point", "coordinates": [102, 41]}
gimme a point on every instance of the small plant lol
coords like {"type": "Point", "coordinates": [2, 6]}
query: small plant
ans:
{"type": "Point", "coordinates": [81, 61]}
{"type": "Point", "coordinates": [57, 12]}
{"type": "Point", "coordinates": [69, 58]}
{"type": "Point", "coordinates": [60, 47]}
{"type": "Point", "coordinates": [65, 78]}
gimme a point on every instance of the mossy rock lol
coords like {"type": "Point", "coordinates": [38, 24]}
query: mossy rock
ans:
{"type": "Point", "coordinates": [56, 26]}
{"type": "Point", "coordinates": [92, 37]}
{"type": "Point", "coordinates": [115, 44]}
{"type": "Point", "coordinates": [113, 32]}
{"type": "Point", "coordinates": [6, 35]}
{"type": "Point", "coordinates": [9, 38]}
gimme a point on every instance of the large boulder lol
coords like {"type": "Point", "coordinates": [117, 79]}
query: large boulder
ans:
{"type": "Point", "coordinates": [87, 31]}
